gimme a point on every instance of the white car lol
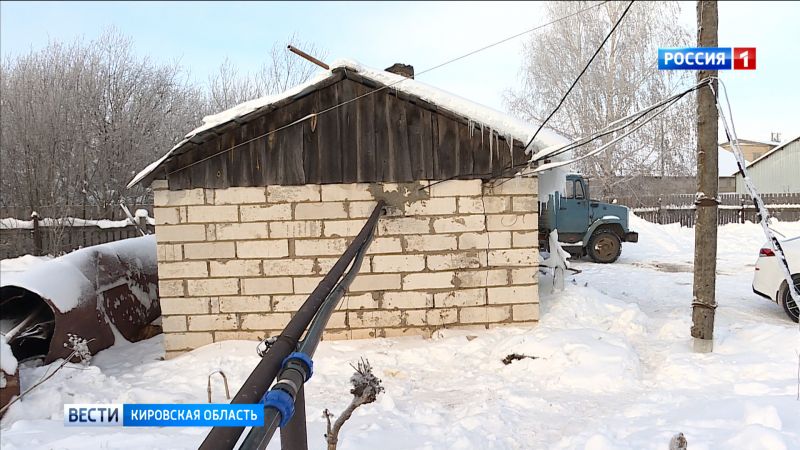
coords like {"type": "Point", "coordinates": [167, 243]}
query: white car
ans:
{"type": "Point", "coordinates": [769, 281]}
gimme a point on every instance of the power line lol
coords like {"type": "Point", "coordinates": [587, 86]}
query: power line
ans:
{"type": "Point", "coordinates": [580, 74]}
{"type": "Point", "coordinates": [610, 128]}
{"type": "Point", "coordinates": [613, 126]}
{"type": "Point", "coordinates": [657, 113]}
{"type": "Point", "coordinates": [339, 105]}
{"type": "Point", "coordinates": [560, 19]}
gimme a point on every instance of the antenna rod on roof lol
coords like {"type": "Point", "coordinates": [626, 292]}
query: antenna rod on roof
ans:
{"type": "Point", "coordinates": [308, 57]}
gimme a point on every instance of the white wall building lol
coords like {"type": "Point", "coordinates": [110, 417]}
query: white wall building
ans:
{"type": "Point", "coordinates": [777, 171]}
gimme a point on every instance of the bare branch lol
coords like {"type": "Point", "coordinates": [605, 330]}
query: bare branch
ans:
{"type": "Point", "coordinates": [622, 79]}
{"type": "Point", "coordinates": [366, 387]}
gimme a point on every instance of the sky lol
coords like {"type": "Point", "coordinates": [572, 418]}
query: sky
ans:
{"type": "Point", "coordinates": [200, 35]}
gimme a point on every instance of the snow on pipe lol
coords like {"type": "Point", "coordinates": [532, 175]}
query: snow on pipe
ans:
{"type": "Point", "coordinates": [89, 292]}
{"type": "Point", "coordinates": [98, 293]}
{"type": "Point", "coordinates": [763, 213]}
{"type": "Point", "coordinates": [257, 383]}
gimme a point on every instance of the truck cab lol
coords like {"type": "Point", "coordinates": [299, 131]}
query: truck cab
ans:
{"type": "Point", "coordinates": [585, 226]}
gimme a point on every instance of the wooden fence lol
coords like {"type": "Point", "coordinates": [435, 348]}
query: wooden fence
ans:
{"type": "Point", "coordinates": [22, 232]}
{"type": "Point", "coordinates": [734, 208]}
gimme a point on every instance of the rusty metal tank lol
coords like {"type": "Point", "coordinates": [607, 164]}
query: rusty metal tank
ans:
{"type": "Point", "coordinates": [101, 293]}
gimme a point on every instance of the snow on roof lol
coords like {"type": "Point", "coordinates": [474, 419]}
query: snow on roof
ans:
{"type": "Point", "coordinates": [500, 122]}
{"type": "Point", "coordinates": [727, 163]}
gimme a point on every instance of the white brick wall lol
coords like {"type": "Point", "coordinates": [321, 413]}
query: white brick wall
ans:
{"type": "Point", "coordinates": [237, 263]}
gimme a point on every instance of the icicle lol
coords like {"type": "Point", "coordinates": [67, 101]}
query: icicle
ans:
{"type": "Point", "coordinates": [471, 126]}
{"type": "Point", "coordinates": [491, 141]}
{"type": "Point", "coordinates": [481, 134]}
{"type": "Point", "coordinates": [510, 142]}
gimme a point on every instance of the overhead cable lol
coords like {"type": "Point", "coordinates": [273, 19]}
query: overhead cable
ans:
{"type": "Point", "coordinates": [596, 52]}
{"type": "Point", "coordinates": [346, 102]}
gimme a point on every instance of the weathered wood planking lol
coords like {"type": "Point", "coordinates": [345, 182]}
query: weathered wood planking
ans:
{"type": "Point", "coordinates": [239, 160]}
{"type": "Point", "coordinates": [383, 160]}
{"type": "Point", "coordinates": [289, 149]}
{"type": "Point", "coordinates": [258, 152]}
{"type": "Point", "coordinates": [398, 139]}
{"type": "Point", "coordinates": [181, 180]}
{"type": "Point", "coordinates": [520, 159]}
{"type": "Point", "coordinates": [311, 144]}
{"type": "Point", "coordinates": [419, 145]}
{"type": "Point", "coordinates": [465, 150]}
{"type": "Point", "coordinates": [383, 136]}
{"type": "Point", "coordinates": [481, 158]}
{"type": "Point", "coordinates": [348, 124]}
{"type": "Point", "coordinates": [366, 136]}
{"type": "Point", "coordinates": [446, 148]}
{"type": "Point", "coordinates": [216, 169]}
{"type": "Point", "coordinates": [329, 134]}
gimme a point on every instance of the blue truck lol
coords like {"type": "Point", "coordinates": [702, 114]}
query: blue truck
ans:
{"type": "Point", "coordinates": [585, 226]}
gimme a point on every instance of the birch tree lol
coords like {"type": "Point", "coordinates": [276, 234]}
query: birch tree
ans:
{"type": "Point", "coordinates": [622, 79]}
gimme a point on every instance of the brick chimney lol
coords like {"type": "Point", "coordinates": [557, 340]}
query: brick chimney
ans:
{"type": "Point", "coordinates": [402, 69]}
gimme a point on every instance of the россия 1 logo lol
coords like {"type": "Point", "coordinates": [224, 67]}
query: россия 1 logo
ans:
{"type": "Point", "coordinates": [707, 58]}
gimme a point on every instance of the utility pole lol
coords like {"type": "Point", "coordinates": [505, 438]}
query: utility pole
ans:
{"type": "Point", "coordinates": [705, 231]}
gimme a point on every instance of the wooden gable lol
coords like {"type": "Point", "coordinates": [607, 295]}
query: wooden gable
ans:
{"type": "Point", "coordinates": [387, 136]}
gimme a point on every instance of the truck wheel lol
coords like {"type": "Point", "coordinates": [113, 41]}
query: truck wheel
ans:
{"type": "Point", "coordinates": [604, 247]}
{"type": "Point", "coordinates": [788, 302]}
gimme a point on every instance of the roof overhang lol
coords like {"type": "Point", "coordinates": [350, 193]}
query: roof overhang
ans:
{"type": "Point", "coordinates": [426, 96]}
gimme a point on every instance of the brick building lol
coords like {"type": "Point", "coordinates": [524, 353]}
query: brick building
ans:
{"type": "Point", "coordinates": [255, 206]}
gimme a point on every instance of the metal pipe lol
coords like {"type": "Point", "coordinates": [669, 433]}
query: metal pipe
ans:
{"type": "Point", "coordinates": [258, 382]}
{"type": "Point", "coordinates": [224, 379]}
{"type": "Point", "coordinates": [294, 435]}
{"type": "Point", "coordinates": [259, 437]}
{"type": "Point", "coordinates": [308, 57]}
{"type": "Point", "coordinates": [314, 334]}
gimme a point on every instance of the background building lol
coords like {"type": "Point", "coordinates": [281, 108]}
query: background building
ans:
{"type": "Point", "coordinates": [751, 149]}
{"type": "Point", "coordinates": [777, 171]}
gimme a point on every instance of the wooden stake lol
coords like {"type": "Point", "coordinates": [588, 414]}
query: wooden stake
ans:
{"type": "Point", "coordinates": [705, 243]}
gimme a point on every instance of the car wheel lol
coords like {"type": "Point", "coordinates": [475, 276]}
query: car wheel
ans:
{"type": "Point", "coordinates": [789, 304]}
{"type": "Point", "coordinates": [604, 247]}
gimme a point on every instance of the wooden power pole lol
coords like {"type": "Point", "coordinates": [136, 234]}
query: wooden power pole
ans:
{"type": "Point", "coordinates": [705, 231]}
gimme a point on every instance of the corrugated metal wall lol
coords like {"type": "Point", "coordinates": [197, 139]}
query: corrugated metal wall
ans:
{"type": "Point", "coordinates": [780, 172]}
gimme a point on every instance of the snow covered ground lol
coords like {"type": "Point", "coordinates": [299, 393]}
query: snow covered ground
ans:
{"type": "Point", "coordinates": [614, 370]}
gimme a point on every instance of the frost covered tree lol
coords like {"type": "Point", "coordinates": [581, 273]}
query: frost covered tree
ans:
{"type": "Point", "coordinates": [622, 79]}
{"type": "Point", "coordinates": [280, 71]}
{"type": "Point", "coordinates": [78, 120]}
